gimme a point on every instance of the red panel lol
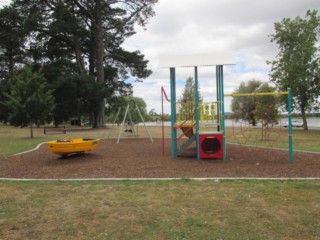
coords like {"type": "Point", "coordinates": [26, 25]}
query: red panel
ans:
{"type": "Point", "coordinates": [211, 145]}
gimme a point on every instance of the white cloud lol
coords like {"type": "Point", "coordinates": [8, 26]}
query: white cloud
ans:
{"type": "Point", "coordinates": [241, 27]}
{"type": "Point", "coordinates": [4, 3]}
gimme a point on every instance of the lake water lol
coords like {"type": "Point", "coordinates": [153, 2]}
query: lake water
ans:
{"type": "Point", "coordinates": [312, 122]}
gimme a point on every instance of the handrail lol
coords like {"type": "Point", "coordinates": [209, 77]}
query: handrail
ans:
{"type": "Point", "coordinates": [163, 93]}
{"type": "Point", "coordinates": [185, 132]}
{"type": "Point", "coordinates": [181, 124]}
{"type": "Point", "coordinates": [254, 94]}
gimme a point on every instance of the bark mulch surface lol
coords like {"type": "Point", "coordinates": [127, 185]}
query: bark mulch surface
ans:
{"type": "Point", "coordinates": [139, 158]}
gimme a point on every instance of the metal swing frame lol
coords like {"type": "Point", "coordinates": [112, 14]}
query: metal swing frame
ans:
{"type": "Point", "coordinates": [127, 113]}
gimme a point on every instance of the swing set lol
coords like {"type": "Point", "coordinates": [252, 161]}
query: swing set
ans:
{"type": "Point", "coordinates": [127, 122]}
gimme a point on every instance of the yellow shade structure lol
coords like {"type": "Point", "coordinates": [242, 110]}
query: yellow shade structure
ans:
{"type": "Point", "coordinates": [73, 145]}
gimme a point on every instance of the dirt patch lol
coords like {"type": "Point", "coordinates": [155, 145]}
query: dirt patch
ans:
{"type": "Point", "coordinates": [134, 158]}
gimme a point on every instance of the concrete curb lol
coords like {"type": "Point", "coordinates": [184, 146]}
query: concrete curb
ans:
{"type": "Point", "coordinates": [161, 179]}
{"type": "Point", "coordinates": [36, 148]}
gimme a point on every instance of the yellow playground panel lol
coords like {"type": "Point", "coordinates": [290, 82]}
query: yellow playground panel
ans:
{"type": "Point", "coordinates": [185, 117]}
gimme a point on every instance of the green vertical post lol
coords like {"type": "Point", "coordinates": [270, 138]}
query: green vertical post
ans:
{"type": "Point", "coordinates": [290, 125]}
{"type": "Point", "coordinates": [173, 111]}
{"type": "Point", "coordinates": [196, 100]}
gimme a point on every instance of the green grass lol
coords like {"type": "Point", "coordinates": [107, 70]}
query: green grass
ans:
{"type": "Point", "coordinates": [276, 138]}
{"type": "Point", "coordinates": [160, 210]}
{"type": "Point", "coordinates": [306, 140]}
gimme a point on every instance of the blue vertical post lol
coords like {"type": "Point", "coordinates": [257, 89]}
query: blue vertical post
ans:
{"type": "Point", "coordinates": [223, 119]}
{"type": "Point", "coordinates": [173, 111]}
{"type": "Point", "coordinates": [218, 98]}
{"type": "Point", "coordinates": [196, 100]}
{"type": "Point", "coordinates": [221, 103]}
{"type": "Point", "coordinates": [290, 125]}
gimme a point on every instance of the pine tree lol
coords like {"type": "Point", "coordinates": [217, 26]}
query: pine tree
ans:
{"type": "Point", "coordinates": [187, 100]}
{"type": "Point", "coordinates": [30, 101]}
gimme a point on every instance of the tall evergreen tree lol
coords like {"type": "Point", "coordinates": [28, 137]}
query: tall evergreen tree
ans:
{"type": "Point", "coordinates": [188, 94]}
{"type": "Point", "coordinates": [110, 23]}
{"type": "Point", "coordinates": [12, 39]}
{"type": "Point", "coordinates": [187, 99]}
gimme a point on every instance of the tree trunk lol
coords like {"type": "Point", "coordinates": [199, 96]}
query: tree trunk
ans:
{"type": "Point", "coordinates": [252, 119]}
{"type": "Point", "coordinates": [99, 59]}
{"type": "Point", "coordinates": [31, 129]}
{"type": "Point", "coordinates": [11, 60]}
{"type": "Point", "coordinates": [91, 59]}
{"type": "Point", "coordinates": [79, 59]}
{"type": "Point", "coordinates": [304, 118]}
{"type": "Point", "coordinates": [100, 116]}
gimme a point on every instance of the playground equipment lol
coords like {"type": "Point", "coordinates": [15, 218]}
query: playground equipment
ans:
{"type": "Point", "coordinates": [194, 119]}
{"type": "Point", "coordinates": [202, 123]}
{"type": "Point", "coordinates": [73, 145]}
{"type": "Point", "coordinates": [127, 122]}
{"type": "Point", "coordinates": [289, 94]}
{"type": "Point", "coordinates": [211, 145]}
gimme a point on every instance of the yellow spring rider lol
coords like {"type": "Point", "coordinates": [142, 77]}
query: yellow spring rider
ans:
{"type": "Point", "coordinates": [73, 145]}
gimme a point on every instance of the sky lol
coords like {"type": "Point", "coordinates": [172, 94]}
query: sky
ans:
{"type": "Point", "coordinates": [241, 28]}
